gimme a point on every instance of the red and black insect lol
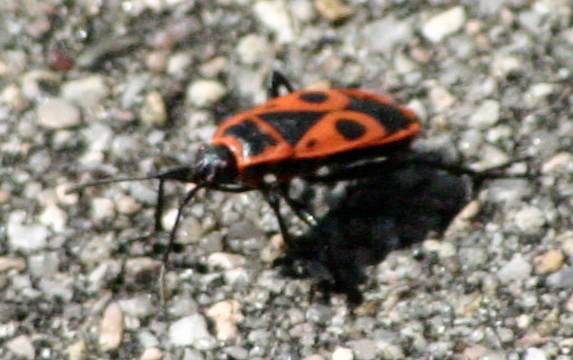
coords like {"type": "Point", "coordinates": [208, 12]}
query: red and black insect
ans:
{"type": "Point", "coordinates": [294, 136]}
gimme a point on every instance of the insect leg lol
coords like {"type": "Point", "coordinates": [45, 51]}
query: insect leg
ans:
{"type": "Point", "coordinates": [296, 207]}
{"type": "Point", "coordinates": [159, 205]}
{"type": "Point", "coordinates": [275, 82]}
{"type": "Point", "coordinates": [273, 199]}
{"type": "Point", "coordinates": [172, 235]}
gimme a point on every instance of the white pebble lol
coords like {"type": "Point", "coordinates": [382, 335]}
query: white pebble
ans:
{"type": "Point", "coordinates": [226, 315]}
{"type": "Point", "coordinates": [111, 328]}
{"type": "Point", "coordinates": [274, 15]}
{"type": "Point", "coordinates": [54, 217]}
{"type": "Point", "coordinates": [252, 49]}
{"type": "Point", "coordinates": [102, 208]}
{"type": "Point", "coordinates": [190, 331]}
{"type": "Point", "coordinates": [444, 24]}
{"type": "Point", "coordinates": [152, 354]}
{"type": "Point", "coordinates": [58, 113]}
{"type": "Point", "coordinates": [486, 115]}
{"type": "Point", "coordinates": [341, 353]}
{"type": "Point", "coordinates": [534, 354]}
{"type": "Point", "coordinates": [529, 219]}
{"type": "Point", "coordinates": [27, 238]}
{"type": "Point", "coordinates": [226, 261]}
{"type": "Point", "coordinates": [22, 347]}
{"type": "Point", "coordinates": [203, 93]}
{"type": "Point", "coordinates": [87, 92]}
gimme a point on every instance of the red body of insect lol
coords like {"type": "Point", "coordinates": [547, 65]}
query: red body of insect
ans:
{"type": "Point", "coordinates": [293, 135]}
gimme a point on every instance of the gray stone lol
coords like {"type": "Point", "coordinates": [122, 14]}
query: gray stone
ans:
{"type": "Point", "coordinates": [385, 34]}
{"type": "Point", "coordinates": [516, 269]}
{"type": "Point", "coordinates": [364, 349]}
{"type": "Point", "coordinates": [563, 279]}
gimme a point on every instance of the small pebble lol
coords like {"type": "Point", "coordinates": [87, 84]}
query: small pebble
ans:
{"type": "Point", "coordinates": [342, 353]}
{"type": "Point", "coordinates": [111, 328]}
{"type": "Point", "coordinates": [274, 15]}
{"type": "Point", "coordinates": [563, 279]}
{"type": "Point", "coordinates": [127, 205]}
{"type": "Point", "coordinates": [190, 331]}
{"type": "Point", "coordinates": [54, 217]}
{"type": "Point", "coordinates": [549, 262]}
{"type": "Point", "coordinates": [486, 115]}
{"type": "Point", "coordinates": [178, 64]}
{"type": "Point", "coordinates": [226, 315]}
{"type": "Point", "coordinates": [364, 349]}
{"type": "Point", "coordinates": [8, 263]}
{"type": "Point", "coordinates": [516, 269]}
{"type": "Point", "coordinates": [530, 220]}
{"type": "Point", "coordinates": [87, 92]}
{"type": "Point", "coordinates": [203, 93]}
{"type": "Point", "coordinates": [236, 352]}
{"type": "Point", "coordinates": [152, 354]}
{"type": "Point", "coordinates": [27, 238]}
{"type": "Point", "coordinates": [77, 351]}
{"type": "Point", "coordinates": [226, 261]}
{"type": "Point", "coordinates": [534, 354]}
{"type": "Point", "coordinates": [60, 60]}
{"type": "Point", "coordinates": [102, 208]}
{"type": "Point", "coordinates": [503, 65]}
{"type": "Point", "coordinates": [385, 34]}
{"type": "Point", "coordinates": [441, 99]}
{"type": "Point", "coordinates": [138, 307]}
{"type": "Point", "coordinates": [253, 49]}
{"type": "Point", "coordinates": [333, 10]}
{"type": "Point", "coordinates": [22, 347]}
{"type": "Point", "coordinates": [153, 112]}
{"type": "Point", "coordinates": [156, 61]}
{"type": "Point", "coordinates": [58, 113]}
{"type": "Point", "coordinates": [446, 23]}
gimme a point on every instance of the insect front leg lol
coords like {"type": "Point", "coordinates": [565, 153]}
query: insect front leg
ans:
{"type": "Point", "coordinates": [275, 82]}
{"type": "Point", "coordinates": [272, 197]}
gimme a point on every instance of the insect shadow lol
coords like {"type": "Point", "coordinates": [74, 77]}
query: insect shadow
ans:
{"type": "Point", "coordinates": [375, 216]}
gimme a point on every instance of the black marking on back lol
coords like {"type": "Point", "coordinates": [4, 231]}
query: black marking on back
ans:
{"type": "Point", "coordinates": [292, 125]}
{"type": "Point", "coordinates": [253, 140]}
{"type": "Point", "coordinates": [350, 129]}
{"type": "Point", "coordinates": [313, 97]}
{"type": "Point", "coordinates": [388, 116]}
{"type": "Point", "coordinates": [311, 143]}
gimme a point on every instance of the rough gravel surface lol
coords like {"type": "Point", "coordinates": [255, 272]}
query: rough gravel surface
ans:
{"type": "Point", "coordinates": [415, 264]}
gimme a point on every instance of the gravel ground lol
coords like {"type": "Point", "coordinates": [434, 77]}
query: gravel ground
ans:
{"type": "Point", "coordinates": [430, 266]}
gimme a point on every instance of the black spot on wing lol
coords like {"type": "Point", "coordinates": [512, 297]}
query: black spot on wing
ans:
{"type": "Point", "coordinates": [253, 140]}
{"type": "Point", "coordinates": [313, 97]}
{"type": "Point", "coordinates": [350, 129]}
{"type": "Point", "coordinates": [292, 125]}
{"type": "Point", "coordinates": [388, 116]}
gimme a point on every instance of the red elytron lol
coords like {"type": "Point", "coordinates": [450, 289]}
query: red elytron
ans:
{"type": "Point", "coordinates": [293, 136]}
